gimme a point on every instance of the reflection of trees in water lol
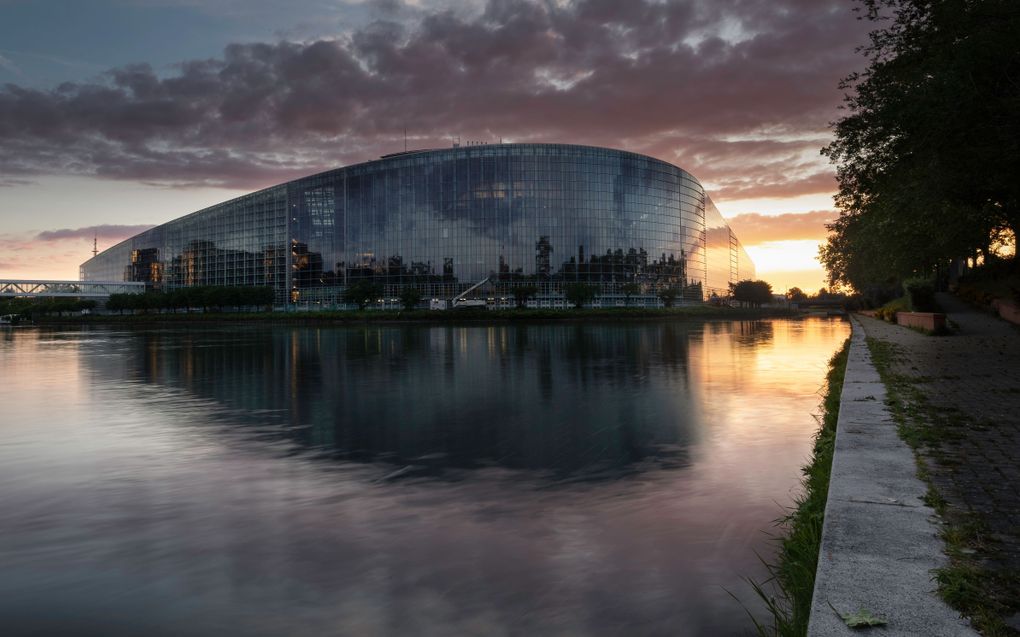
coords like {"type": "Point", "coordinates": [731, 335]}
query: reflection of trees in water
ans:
{"type": "Point", "coordinates": [566, 399]}
{"type": "Point", "coordinates": [753, 332]}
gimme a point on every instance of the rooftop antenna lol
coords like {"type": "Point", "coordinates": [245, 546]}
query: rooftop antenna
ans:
{"type": "Point", "coordinates": [95, 244]}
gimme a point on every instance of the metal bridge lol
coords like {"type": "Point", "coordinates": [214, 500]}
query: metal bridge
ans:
{"type": "Point", "coordinates": [79, 289]}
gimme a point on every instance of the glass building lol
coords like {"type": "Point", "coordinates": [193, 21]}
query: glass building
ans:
{"type": "Point", "coordinates": [444, 220]}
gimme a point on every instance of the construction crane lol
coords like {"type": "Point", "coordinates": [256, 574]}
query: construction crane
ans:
{"type": "Point", "coordinates": [460, 302]}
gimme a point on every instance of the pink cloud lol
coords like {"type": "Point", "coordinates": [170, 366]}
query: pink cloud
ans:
{"type": "Point", "coordinates": [105, 231]}
{"type": "Point", "coordinates": [65, 249]}
{"type": "Point", "coordinates": [753, 228]}
{"type": "Point", "coordinates": [643, 75]}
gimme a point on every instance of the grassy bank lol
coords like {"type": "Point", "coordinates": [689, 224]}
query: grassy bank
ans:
{"type": "Point", "coordinates": [967, 583]}
{"type": "Point", "coordinates": [787, 593]}
{"type": "Point", "coordinates": [427, 316]}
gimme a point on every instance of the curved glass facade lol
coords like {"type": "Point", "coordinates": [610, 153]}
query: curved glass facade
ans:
{"type": "Point", "coordinates": [444, 220]}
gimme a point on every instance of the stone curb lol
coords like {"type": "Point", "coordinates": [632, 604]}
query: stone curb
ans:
{"type": "Point", "coordinates": [880, 541]}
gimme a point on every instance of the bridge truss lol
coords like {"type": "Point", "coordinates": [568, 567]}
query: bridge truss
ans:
{"type": "Point", "coordinates": [83, 289]}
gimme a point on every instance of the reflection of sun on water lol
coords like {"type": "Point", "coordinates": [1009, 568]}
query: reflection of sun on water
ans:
{"type": "Point", "coordinates": [759, 384]}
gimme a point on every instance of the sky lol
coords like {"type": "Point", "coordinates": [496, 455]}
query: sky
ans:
{"type": "Point", "coordinates": [116, 115]}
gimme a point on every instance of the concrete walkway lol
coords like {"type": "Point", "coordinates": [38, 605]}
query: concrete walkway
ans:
{"type": "Point", "coordinates": [972, 380]}
{"type": "Point", "coordinates": [880, 541]}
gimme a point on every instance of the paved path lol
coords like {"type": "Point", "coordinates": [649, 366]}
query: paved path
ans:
{"type": "Point", "coordinates": [973, 379]}
{"type": "Point", "coordinates": [880, 541]}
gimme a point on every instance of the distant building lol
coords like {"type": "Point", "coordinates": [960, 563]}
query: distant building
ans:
{"type": "Point", "coordinates": [443, 220]}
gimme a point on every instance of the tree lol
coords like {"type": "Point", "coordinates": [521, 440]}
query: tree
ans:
{"type": "Point", "coordinates": [210, 296]}
{"type": "Point", "coordinates": [796, 295]}
{"type": "Point", "coordinates": [233, 296]}
{"type": "Point", "coordinates": [579, 294]}
{"type": "Point", "coordinates": [629, 290]}
{"type": "Point", "coordinates": [362, 292]}
{"type": "Point", "coordinates": [752, 293]}
{"type": "Point", "coordinates": [410, 297]}
{"type": "Point", "coordinates": [116, 303]}
{"type": "Point", "coordinates": [669, 295]}
{"type": "Point", "coordinates": [522, 293]}
{"type": "Point", "coordinates": [263, 296]}
{"type": "Point", "coordinates": [926, 156]}
{"type": "Point", "coordinates": [153, 300]}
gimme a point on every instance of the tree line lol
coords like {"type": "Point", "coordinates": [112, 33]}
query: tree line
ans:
{"type": "Point", "coordinates": [361, 293]}
{"type": "Point", "coordinates": [44, 306]}
{"type": "Point", "coordinates": [751, 293]}
{"type": "Point", "coordinates": [928, 154]}
{"type": "Point", "coordinates": [206, 297]}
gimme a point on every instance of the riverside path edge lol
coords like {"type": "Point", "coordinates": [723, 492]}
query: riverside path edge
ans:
{"type": "Point", "coordinates": [880, 541]}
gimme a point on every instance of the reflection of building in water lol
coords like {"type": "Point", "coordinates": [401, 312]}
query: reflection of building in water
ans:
{"type": "Point", "coordinates": [442, 220]}
{"type": "Point", "coordinates": [374, 394]}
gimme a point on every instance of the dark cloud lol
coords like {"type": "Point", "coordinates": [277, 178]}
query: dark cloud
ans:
{"type": "Point", "coordinates": [753, 228]}
{"type": "Point", "coordinates": [106, 231]}
{"type": "Point", "coordinates": [644, 75]}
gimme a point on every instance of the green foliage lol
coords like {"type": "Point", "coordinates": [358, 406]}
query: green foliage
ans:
{"type": "Point", "coordinates": [926, 156]}
{"type": "Point", "coordinates": [204, 296]}
{"type": "Point", "coordinates": [37, 307]}
{"type": "Point", "coordinates": [522, 293]}
{"type": "Point", "coordinates": [752, 293]}
{"type": "Point", "coordinates": [362, 292]}
{"type": "Point", "coordinates": [796, 295]}
{"type": "Point", "coordinates": [470, 315]}
{"type": "Point", "coordinates": [996, 279]}
{"type": "Point", "coordinates": [118, 302]}
{"type": "Point", "coordinates": [669, 295]}
{"type": "Point", "coordinates": [888, 311]}
{"type": "Point", "coordinates": [629, 290]}
{"type": "Point", "coordinates": [920, 294]}
{"type": "Point", "coordinates": [410, 297]}
{"type": "Point", "coordinates": [580, 294]}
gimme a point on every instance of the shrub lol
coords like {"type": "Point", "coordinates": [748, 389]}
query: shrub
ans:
{"type": "Point", "coordinates": [362, 292]}
{"type": "Point", "coordinates": [578, 294]}
{"type": "Point", "coordinates": [629, 290]}
{"type": "Point", "coordinates": [410, 297]}
{"type": "Point", "coordinates": [669, 295]}
{"type": "Point", "coordinates": [888, 311]}
{"type": "Point", "coordinates": [522, 293]}
{"type": "Point", "coordinates": [920, 294]}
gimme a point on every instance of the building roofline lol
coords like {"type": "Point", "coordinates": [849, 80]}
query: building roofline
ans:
{"type": "Point", "coordinates": [391, 157]}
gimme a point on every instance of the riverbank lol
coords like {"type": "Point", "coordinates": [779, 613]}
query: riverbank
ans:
{"type": "Point", "coordinates": [879, 532]}
{"type": "Point", "coordinates": [697, 312]}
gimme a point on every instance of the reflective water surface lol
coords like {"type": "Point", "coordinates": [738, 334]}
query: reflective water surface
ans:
{"type": "Point", "coordinates": [598, 479]}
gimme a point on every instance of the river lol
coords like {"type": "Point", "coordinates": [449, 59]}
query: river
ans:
{"type": "Point", "coordinates": [544, 479]}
